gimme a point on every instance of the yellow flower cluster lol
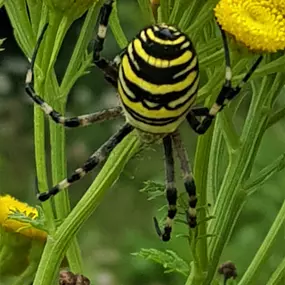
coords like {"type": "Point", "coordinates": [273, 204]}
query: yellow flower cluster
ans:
{"type": "Point", "coordinates": [259, 24]}
{"type": "Point", "coordinates": [8, 205]}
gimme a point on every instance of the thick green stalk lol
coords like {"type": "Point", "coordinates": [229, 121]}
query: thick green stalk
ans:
{"type": "Point", "coordinates": [57, 244]}
{"type": "Point", "coordinates": [39, 139]}
{"type": "Point", "coordinates": [200, 173]}
{"type": "Point", "coordinates": [58, 134]}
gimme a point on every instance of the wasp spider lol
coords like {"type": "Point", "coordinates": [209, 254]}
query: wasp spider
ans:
{"type": "Point", "coordinates": [157, 78]}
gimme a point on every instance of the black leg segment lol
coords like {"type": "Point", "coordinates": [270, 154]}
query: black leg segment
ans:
{"type": "Point", "coordinates": [171, 191]}
{"type": "Point", "coordinates": [226, 94]}
{"type": "Point", "coordinates": [109, 68]}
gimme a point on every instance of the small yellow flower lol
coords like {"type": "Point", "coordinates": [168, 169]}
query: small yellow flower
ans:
{"type": "Point", "coordinates": [8, 205]}
{"type": "Point", "coordinates": [259, 24]}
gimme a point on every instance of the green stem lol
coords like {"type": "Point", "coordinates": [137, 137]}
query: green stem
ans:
{"type": "Point", "coordinates": [275, 117]}
{"type": "Point", "coordinates": [58, 243]}
{"type": "Point", "coordinates": [57, 133]}
{"type": "Point", "coordinates": [231, 196]}
{"type": "Point", "coordinates": [255, 182]}
{"type": "Point", "coordinates": [26, 278]}
{"type": "Point", "coordinates": [80, 49]}
{"type": "Point", "coordinates": [62, 205]}
{"type": "Point", "coordinates": [60, 24]}
{"type": "Point", "coordinates": [39, 138]}
{"type": "Point", "coordinates": [251, 274]}
{"type": "Point", "coordinates": [278, 276]}
{"type": "Point", "coordinates": [214, 169]}
{"type": "Point", "coordinates": [200, 174]}
{"type": "Point", "coordinates": [229, 131]}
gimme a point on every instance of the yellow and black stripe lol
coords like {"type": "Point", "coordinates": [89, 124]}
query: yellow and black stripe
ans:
{"type": "Point", "coordinates": [158, 79]}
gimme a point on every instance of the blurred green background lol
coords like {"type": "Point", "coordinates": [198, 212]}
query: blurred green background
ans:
{"type": "Point", "coordinates": [123, 222]}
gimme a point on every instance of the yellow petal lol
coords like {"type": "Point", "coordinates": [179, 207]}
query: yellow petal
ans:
{"type": "Point", "coordinates": [259, 24]}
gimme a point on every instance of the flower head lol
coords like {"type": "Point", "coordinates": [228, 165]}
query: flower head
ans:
{"type": "Point", "coordinates": [259, 24]}
{"type": "Point", "coordinates": [8, 206]}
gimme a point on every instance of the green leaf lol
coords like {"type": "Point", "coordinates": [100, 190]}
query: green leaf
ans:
{"type": "Point", "coordinates": [1, 40]}
{"type": "Point", "coordinates": [177, 11]}
{"type": "Point", "coordinates": [168, 259]}
{"type": "Point", "coordinates": [265, 174]}
{"type": "Point", "coordinates": [39, 222]}
{"type": "Point", "coordinates": [153, 189]}
{"type": "Point", "coordinates": [116, 28]}
{"type": "Point", "coordinates": [164, 10]}
{"type": "Point", "coordinates": [146, 10]}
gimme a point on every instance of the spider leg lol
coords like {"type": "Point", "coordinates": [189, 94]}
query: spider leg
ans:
{"type": "Point", "coordinates": [109, 68]}
{"type": "Point", "coordinates": [72, 122]}
{"type": "Point", "coordinates": [97, 157]}
{"type": "Point", "coordinates": [226, 94]}
{"type": "Point", "coordinates": [171, 191]}
{"type": "Point", "coordinates": [189, 182]}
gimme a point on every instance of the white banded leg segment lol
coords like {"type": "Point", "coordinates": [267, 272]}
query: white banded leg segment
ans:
{"type": "Point", "coordinates": [189, 182]}
{"type": "Point", "coordinates": [171, 191]}
{"type": "Point", "coordinates": [102, 30]}
{"type": "Point", "coordinates": [83, 120]}
{"type": "Point", "coordinates": [73, 122]}
{"type": "Point", "coordinates": [99, 156]}
{"type": "Point", "coordinates": [109, 68]}
{"type": "Point", "coordinates": [104, 16]}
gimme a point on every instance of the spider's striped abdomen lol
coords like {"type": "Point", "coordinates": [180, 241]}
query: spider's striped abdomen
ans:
{"type": "Point", "coordinates": [158, 79]}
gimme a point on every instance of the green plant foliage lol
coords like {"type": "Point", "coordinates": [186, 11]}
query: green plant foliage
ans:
{"type": "Point", "coordinates": [153, 189]}
{"type": "Point", "coordinates": [170, 261]}
{"type": "Point", "coordinates": [236, 164]}
{"type": "Point", "coordinates": [38, 223]}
